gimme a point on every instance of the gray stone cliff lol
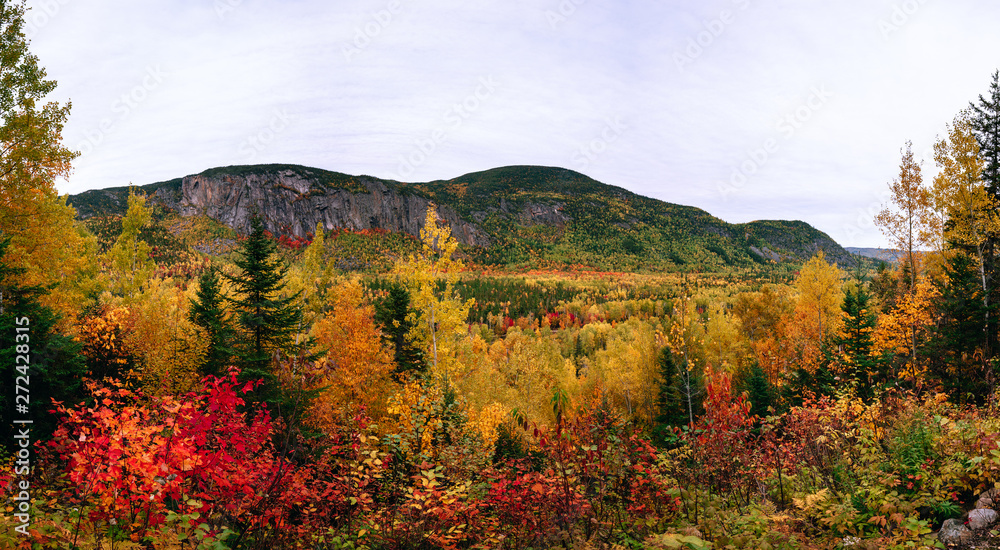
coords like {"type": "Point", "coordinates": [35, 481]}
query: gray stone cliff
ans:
{"type": "Point", "coordinates": [293, 205]}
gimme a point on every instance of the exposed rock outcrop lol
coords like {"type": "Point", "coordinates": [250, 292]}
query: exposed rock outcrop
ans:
{"type": "Point", "coordinates": [292, 204]}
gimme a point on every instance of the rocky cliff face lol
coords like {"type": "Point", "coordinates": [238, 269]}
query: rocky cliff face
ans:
{"type": "Point", "coordinates": [292, 204]}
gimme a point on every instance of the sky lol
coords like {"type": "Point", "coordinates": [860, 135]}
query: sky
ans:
{"type": "Point", "coordinates": [748, 109]}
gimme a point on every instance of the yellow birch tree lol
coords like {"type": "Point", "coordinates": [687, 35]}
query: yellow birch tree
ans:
{"type": "Point", "coordinates": [440, 314]}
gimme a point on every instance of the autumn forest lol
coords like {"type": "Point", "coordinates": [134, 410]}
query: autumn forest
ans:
{"type": "Point", "coordinates": [172, 383]}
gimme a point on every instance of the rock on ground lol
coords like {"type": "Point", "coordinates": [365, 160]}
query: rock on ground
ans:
{"type": "Point", "coordinates": [954, 531]}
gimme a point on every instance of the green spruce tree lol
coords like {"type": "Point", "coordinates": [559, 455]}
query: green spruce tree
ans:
{"type": "Point", "coordinates": [959, 348]}
{"type": "Point", "coordinates": [986, 129]}
{"type": "Point", "coordinates": [267, 321]}
{"type": "Point", "coordinates": [208, 311]}
{"type": "Point", "coordinates": [54, 368]}
{"type": "Point", "coordinates": [671, 401]}
{"type": "Point", "coordinates": [760, 391]}
{"type": "Point", "coordinates": [864, 368]}
{"type": "Point", "coordinates": [392, 314]}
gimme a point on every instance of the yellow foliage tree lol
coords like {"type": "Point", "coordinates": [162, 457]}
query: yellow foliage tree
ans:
{"type": "Point", "coordinates": [909, 222]}
{"type": "Point", "coordinates": [167, 345]}
{"type": "Point", "coordinates": [820, 293]}
{"type": "Point", "coordinates": [629, 370]}
{"type": "Point", "coordinates": [906, 327]}
{"type": "Point", "coordinates": [355, 369]}
{"type": "Point", "coordinates": [440, 315]}
{"type": "Point", "coordinates": [960, 193]}
{"type": "Point", "coordinates": [686, 340]}
{"type": "Point", "coordinates": [129, 263]}
{"type": "Point", "coordinates": [39, 223]}
{"type": "Point", "coordinates": [311, 277]}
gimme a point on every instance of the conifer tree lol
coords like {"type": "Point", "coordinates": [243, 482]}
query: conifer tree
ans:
{"type": "Point", "coordinates": [267, 321]}
{"type": "Point", "coordinates": [959, 357]}
{"type": "Point", "coordinates": [394, 316]}
{"type": "Point", "coordinates": [986, 128]}
{"type": "Point", "coordinates": [209, 313]}
{"type": "Point", "coordinates": [671, 409]}
{"type": "Point", "coordinates": [985, 122]}
{"type": "Point", "coordinates": [855, 341]}
{"type": "Point", "coordinates": [55, 368]}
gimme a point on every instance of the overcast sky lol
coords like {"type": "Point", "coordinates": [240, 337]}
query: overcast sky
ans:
{"type": "Point", "coordinates": [749, 109]}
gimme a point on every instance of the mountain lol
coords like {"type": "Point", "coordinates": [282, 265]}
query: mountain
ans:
{"type": "Point", "coordinates": [508, 215]}
{"type": "Point", "coordinates": [889, 255]}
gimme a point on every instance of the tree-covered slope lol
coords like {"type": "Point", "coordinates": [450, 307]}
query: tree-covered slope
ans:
{"type": "Point", "coordinates": [532, 215]}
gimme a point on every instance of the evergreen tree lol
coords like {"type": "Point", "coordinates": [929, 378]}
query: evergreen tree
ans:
{"type": "Point", "coordinates": [802, 382]}
{"type": "Point", "coordinates": [760, 392]}
{"type": "Point", "coordinates": [855, 341]}
{"type": "Point", "coordinates": [208, 311]}
{"type": "Point", "coordinates": [986, 128]}
{"type": "Point", "coordinates": [394, 315]}
{"type": "Point", "coordinates": [961, 335]}
{"type": "Point", "coordinates": [671, 401]}
{"type": "Point", "coordinates": [55, 368]}
{"type": "Point", "coordinates": [266, 320]}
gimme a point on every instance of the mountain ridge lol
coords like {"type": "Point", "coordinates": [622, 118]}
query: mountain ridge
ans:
{"type": "Point", "coordinates": [507, 215]}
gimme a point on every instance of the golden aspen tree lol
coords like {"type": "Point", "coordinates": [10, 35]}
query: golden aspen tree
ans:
{"type": "Point", "coordinates": [723, 345]}
{"type": "Point", "coordinates": [355, 369]}
{"type": "Point", "coordinates": [960, 192]}
{"type": "Point", "coordinates": [440, 315]}
{"type": "Point", "coordinates": [629, 368]}
{"type": "Point", "coordinates": [164, 341]}
{"type": "Point", "coordinates": [908, 324]}
{"type": "Point", "coordinates": [311, 277]}
{"type": "Point", "coordinates": [129, 263]}
{"type": "Point", "coordinates": [685, 338]}
{"type": "Point", "coordinates": [820, 289]}
{"type": "Point", "coordinates": [43, 237]}
{"type": "Point", "coordinates": [908, 222]}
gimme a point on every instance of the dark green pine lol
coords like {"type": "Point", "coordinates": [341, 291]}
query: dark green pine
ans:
{"type": "Point", "coordinates": [55, 368]}
{"type": "Point", "coordinates": [208, 311]}
{"type": "Point", "coordinates": [266, 320]}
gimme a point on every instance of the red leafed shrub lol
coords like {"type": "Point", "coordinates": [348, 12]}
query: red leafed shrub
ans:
{"type": "Point", "coordinates": [720, 439]}
{"type": "Point", "coordinates": [131, 460]}
{"type": "Point", "coordinates": [295, 243]}
{"type": "Point", "coordinates": [598, 480]}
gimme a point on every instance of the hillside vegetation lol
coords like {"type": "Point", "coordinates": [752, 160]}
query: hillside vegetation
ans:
{"type": "Point", "coordinates": [551, 217]}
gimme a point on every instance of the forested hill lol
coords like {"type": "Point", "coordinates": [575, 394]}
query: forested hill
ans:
{"type": "Point", "coordinates": [512, 215]}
